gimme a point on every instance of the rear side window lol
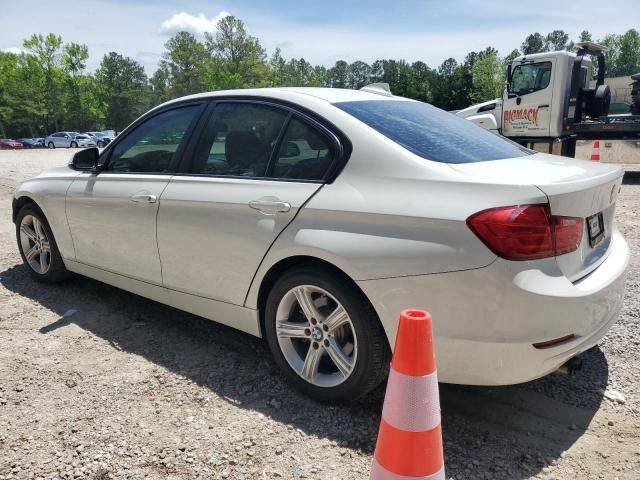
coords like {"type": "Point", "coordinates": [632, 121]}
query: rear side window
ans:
{"type": "Point", "coordinates": [304, 154]}
{"type": "Point", "coordinates": [239, 140]}
{"type": "Point", "coordinates": [432, 133]}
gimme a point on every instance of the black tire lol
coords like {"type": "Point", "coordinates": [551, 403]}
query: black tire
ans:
{"type": "Point", "coordinates": [57, 271]}
{"type": "Point", "coordinates": [74, 145]}
{"type": "Point", "coordinates": [51, 145]}
{"type": "Point", "coordinates": [373, 357]}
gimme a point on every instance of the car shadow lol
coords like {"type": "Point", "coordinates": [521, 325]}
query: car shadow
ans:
{"type": "Point", "coordinates": [527, 427]}
{"type": "Point", "coordinates": [631, 178]}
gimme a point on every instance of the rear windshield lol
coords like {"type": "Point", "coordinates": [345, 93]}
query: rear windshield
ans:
{"type": "Point", "coordinates": [432, 133]}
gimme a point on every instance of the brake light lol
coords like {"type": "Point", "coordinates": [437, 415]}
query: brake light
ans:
{"type": "Point", "coordinates": [526, 232]}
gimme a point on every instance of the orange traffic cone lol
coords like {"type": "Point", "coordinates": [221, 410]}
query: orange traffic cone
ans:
{"type": "Point", "coordinates": [410, 438]}
{"type": "Point", "coordinates": [595, 153]}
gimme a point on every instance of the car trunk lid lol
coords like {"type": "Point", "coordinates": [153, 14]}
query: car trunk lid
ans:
{"type": "Point", "coordinates": [575, 188]}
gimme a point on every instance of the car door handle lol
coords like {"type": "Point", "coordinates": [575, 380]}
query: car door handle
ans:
{"type": "Point", "coordinates": [144, 198]}
{"type": "Point", "coordinates": [269, 205]}
{"type": "Point", "coordinates": [546, 105]}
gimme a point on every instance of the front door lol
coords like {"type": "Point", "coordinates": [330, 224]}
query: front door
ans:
{"type": "Point", "coordinates": [254, 169]}
{"type": "Point", "coordinates": [528, 100]}
{"type": "Point", "coordinates": [112, 215]}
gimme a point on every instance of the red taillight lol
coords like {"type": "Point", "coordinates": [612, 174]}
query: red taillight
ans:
{"type": "Point", "coordinates": [526, 232]}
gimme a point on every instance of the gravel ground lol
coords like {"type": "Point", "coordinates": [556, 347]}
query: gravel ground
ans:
{"type": "Point", "coordinates": [99, 383]}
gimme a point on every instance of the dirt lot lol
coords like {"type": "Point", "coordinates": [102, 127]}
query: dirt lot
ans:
{"type": "Point", "coordinates": [99, 383]}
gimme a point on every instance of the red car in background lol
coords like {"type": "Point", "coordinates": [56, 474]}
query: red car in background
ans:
{"type": "Point", "coordinates": [8, 144]}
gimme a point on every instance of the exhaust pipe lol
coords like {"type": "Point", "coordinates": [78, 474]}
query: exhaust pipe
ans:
{"type": "Point", "coordinates": [570, 366]}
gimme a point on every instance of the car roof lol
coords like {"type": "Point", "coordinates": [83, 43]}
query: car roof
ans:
{"type": "Point", "coordinates": [330, 95]}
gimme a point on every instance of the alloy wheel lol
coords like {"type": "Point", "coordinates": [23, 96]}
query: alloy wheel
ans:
{"type": "Point", "coordinates": [316, 336]}
{"type": "Point", "coordinates": [35, 244]}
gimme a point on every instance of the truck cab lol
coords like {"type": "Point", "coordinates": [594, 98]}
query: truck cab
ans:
{"type": "Point", "coordinates": [547, 104]}
{"type": "Point", "coordinates": [534, 103]}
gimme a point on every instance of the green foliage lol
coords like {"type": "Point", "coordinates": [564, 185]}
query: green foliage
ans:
{"type": "Point", "coordinates": [238, 58]}
{"type": "Point", "coordinates": [185, 62]}
{"type": "Point", "coordinates": [488, 78]}
{"type": "Point", "coordinates": [47, 88]}
{"type": "Point", "coordinates": [122, 89]}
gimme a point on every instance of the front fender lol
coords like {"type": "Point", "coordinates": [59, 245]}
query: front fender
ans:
{"type": "Point", "coordinates": [48, 191]}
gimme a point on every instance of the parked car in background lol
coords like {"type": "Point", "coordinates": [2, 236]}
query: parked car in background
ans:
{"type": "Point", "coordinates": [68, 139]}
{"type": "Point", "coordinates": [101, 139]}
{"type": "Point", "coordinates": [314, 216]}
{"type": "Point", "coordinates": [82, 140]}
{"type": "Point", "coordinates": [32, 142]}
{"type": "Point", "coordinates": [9, 144]}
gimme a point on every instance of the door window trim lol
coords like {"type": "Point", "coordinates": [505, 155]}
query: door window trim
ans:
{"type": "Point", "coordinates": [180, 151]}
{"type": "Point", "coordinates": [340, 142]}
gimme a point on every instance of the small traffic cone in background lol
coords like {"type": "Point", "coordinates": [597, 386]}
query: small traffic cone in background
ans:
{"type": "Point", "coordinates": [410, 438]}
{"type": "Point", "coordinates": [595, 153]}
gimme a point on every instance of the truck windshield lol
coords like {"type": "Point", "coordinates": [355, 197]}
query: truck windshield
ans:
{"type": "Point", "coordinates": [432, 133]}
{"type": "Point", "coordinates": [529, 78]}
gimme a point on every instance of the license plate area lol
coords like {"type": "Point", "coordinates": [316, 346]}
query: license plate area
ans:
{"type": "Point", "coordinates": [595, 227]}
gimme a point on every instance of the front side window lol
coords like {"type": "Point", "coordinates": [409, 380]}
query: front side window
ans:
{"type": "Point", "coordinates": [432, 133]}
{"type": "Point", "coordinates": [239, 140]}
{"type": "Point", "coordinates": [304, 154]}
{"type": "Point", "coordinates": [152, 145]}
{"type": "Point", "coordinates": [529, 78]}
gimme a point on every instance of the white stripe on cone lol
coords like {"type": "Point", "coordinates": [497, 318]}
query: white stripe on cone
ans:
{"type": "Point", "coordinates": [412, 402]}
{"type": "Point", "coordinates": [380, 473]}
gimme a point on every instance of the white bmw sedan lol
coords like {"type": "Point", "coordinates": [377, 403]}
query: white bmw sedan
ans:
{"type": "Point", "coordinates": [313, 216]}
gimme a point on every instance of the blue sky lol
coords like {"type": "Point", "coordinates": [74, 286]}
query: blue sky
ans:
{"type": "Point", "coordinates": [321, 32]}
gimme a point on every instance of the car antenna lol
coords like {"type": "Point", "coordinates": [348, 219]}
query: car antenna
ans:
{"type": "Point", "coordinates": [379, 88]}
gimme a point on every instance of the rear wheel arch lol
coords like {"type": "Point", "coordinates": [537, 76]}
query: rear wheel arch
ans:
{"type": "Point", "coordinates": [285, 265]}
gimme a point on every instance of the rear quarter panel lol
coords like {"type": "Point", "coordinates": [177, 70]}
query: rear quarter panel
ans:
{"type": "Point", "coordinates": [392, 214]}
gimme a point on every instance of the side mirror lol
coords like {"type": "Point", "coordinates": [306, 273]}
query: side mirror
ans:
{"type": "Point", "coordinates": [509, 73]}
{"type": "Point", "coordinates": [85, 160]}
{"type": "Point", "coordinates": [291, 149]}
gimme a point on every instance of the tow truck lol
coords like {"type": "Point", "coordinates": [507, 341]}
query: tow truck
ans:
{"type": "Point", "coordinates": [548, 106]}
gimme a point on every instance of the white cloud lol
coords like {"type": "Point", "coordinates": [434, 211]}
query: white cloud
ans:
{"type": "Point", "coordinates": [15, 50]}
{"type": "Point", "coordinates": [197, 24]}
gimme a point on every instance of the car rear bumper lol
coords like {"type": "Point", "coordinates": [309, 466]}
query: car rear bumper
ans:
{"type": "Point", "coordinates": [487, 320]}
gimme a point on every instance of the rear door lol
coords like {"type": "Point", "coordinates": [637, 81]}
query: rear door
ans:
{"type": "Point", "coordinates": [528, 103]}
{"type": "Point", "coordinates": [112, 215]}
{"type": "Point", "coordinates": [254, 167]}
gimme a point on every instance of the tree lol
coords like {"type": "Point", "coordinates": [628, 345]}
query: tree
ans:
{"type": "Point", "coordinates": [628, 61]}
{"type": "Point", "coordinates": [122, 86]}
{"type": "Point", "coordinates": [534, 43]}
{"type": "Point", "coordinates": [160, 84]}
{"type": "Point", "coordinates": [358, 75]}
{"type": "Point", "coordinates": [47, 52]}
{"type": "Point", "coordinates": [511, 56]}
{"type": "Point", "coordinates": [277, 67]}
{"type": "Point", "coordinates": [337, 76]}
{"type": "Point", "coordinates": [74, 61]}
{"type": "Point", "coordinates": [488, 78]}
{"type": "Point", "coordinates": [184, 60]}
{"type": "Point", "coordinates": [585, 36]}
{"type": "Point", "coordinates": [236, 54]}
{"type": "Point", "coordinates": [557, 40]}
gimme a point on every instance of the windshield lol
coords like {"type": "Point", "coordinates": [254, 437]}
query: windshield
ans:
{"type": "Point", "coordinates": [529, 78]}
{"type": "Point", "coordinates": [432, 133]}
